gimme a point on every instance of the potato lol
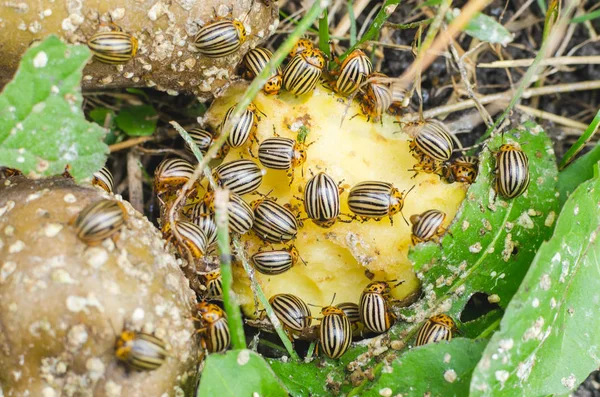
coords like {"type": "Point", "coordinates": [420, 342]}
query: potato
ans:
{"type": "Point", "coordinates": [343, 259]}
{"type": "Point", "coordinates": [63, 303]}
{"type": "Point", "coordinates": [165, 30]}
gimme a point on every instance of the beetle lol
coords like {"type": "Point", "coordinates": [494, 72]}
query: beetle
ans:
{"type": "Point", "coordinates": [512, 171]}
{"type": "Point", "coordinates": [435, 329]}
{"type": "Point", "coordinates": [293, 313]}
{"type": "Point", "coordinates": [376, 199]}
{"type": "Point", "coordinates": [301, 45]}
{"type": "Point", "coordinates": [427, 226]}
{"type": "Point", "coordinates": [374, 306]}
{"type": "Point", "coordinates": [400, 99]}
{"type": "Point", "coordinates": [241, 216]}
{"type": "Point", "coordinates": [202, 138]}
{"type": "Point", "coordinates": [322, 200]}
{"type": "Point", "coordinates": [115, 47]}
{"type": "Point", "coordinates": [276, 261]}
{"type": "Point", "coordinates": [280, 153]}
{"type": "Point", "coordinates": [302, 73]}
{"type": "Point", "coordinates": [214, 329]}
{"type": "Point", "coordinates": [335, 332]}
{"type": "Point", "coordinates": [214, 285]}
{"type": "Point", "coordinates": [433, 139]}
{"type": "Point", "coordinates": [201, 216]}
{"type": "Point", "coordinates": [377, 97]}
{"type": "Point", "coordinates": [255, 61]}
{"type": "Point", "coordinates": [244, 129]}
{"type": "Point", "coordinates": [99, 221]}
{"type": "Point", "coordinates": [273, 222]}
{"type": "Point", "coordinates": [352, 311]}
{"type": "Point", "coordinates": [172, 174]}
{"type": "Point", "coordinates": [140, 351]}
{"type": "Point", "coordinates": [220, 38]}
{"type": "Point", "coordinates": [239, 176]}
{"type": "Point", "coordinates": [353, 72]}
{"type": "Point", "coordinates": [103, 179]}
{"type": "Point", "coordinates": [462, 169]}
{"type": "Point", "coordinates": [192, 237]}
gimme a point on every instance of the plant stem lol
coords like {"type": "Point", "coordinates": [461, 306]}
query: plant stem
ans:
{"type": "Point", "coordinates": [352, 18]}
{"type": "Point", "coordinates": [580, 144]}
{"type": "Point", "coordinates": [491, 328]}
{"type": "Point", "coordinates": [413, 25]}
{"type": "Point", "coordinates": [234, 316]}
{"type": "Point", "coordinates": [324, 34]}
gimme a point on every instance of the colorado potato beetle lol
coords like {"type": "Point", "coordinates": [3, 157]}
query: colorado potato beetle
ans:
{"type": "Point", "coordinates": [512, 171]}
{"type": "Point", "coordinates": [202, 138]}
{"type": "Point", "coordinates": [172, 174]}
{"type": "Point", "coordinates": [353, 72]}
{"type": "Point", "coordinates": [435, 329]}
{"type": "Point", "coordinates": [352, 311]}
{"type": "Point", "coordinates": [335, 332]}
{"type": "Point", "coordinates": [103, 179]}
{"type": "Point", "coordinates": [293, 313]}
{"type": "Point", "coordinates": [322, 200]}
{"type": "Point", "coordinates": [114, 48]}
{"type": "Point", "coordinates": [244, 129]}
{"type": "Point", "coordinates": [220, 38]}
{"type": "Point", "coordinates": [99, 221]}
{"type": "Point", "coordinates": [201, 216]}
{"type": "Point", "coordinates": [192, 237]}
{"type": "Point", "coordinates": [427, 226]}
{"type": "Point", "coordinates": [375, 310]}
{"type": "Point", "coordinates": [241, 217]}
{"type": "Point", "coordinates": [273, 222]}
{"type": "Point", "coordinates": [377, 98]}
{"type": "Point", "coordinates": [140, 351]}
{"type": "Point", "coordinates": [400, 99]}
{"type": "Point", "coordinates": [376, 199]}
{"type": "Point", "coordinates": [276, 261]}
{"type": "Point", "coordinates": [303, 72]}
{"type": "Point", "coordinates": [280, 153]}
{"type": "Point", "coordinates": [214, 285]}
{"type": "Point", "coordinates": [214, 329]}
{"type": "Point", "coordinates": [435, 140]}
{"type": "Point", "coordinates": [463, 169]}
{"type": "Point", "coordinates": [255, 61]}
{"type": "Point", "coordinates": [239, 176]}
{"type": "Point", "coordinates": [301, 45]}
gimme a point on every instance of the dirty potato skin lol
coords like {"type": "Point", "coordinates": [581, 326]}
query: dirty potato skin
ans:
{"type": "Point", "coordinates": [62, 302]}
{"type": "Point", "coordinates": [166, 59]}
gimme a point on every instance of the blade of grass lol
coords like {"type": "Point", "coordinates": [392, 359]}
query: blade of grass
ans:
{"type": "Point", "coordinates": [352, 22]}
{"type": "Point", "coordinates": [580, 144]}
{"type": "Point", "coordinates": [542, 5]}
{"type": "Point", "coordinates": [586, 17]}
{"type": "Point", "coordinates": [413, 25]}
{"type": "Point", "coordinates": [324, 34]}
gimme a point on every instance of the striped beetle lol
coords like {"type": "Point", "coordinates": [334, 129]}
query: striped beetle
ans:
{"type": "Point", "coordinates": [140, 351]}
{"type": "Point", "coordinates": [201, 216]}
{"type": "Point", "coordinates": [203, 139]}
{"type": "Point", "coordinates": [214, 329]}
{"type": "Point", "coordinates": [255, 61]}
{"type": "Point", "coordinates": [377, 97]}
{"type": "Point", "coordinates": [172, 174]}
{"type": "Point", "coordinates": [276, 261]}
{"type": "Point", "coordinates": [352, 311]}
{"type": "Point", "coordinates": [301, 45]}
{"type": "Point", "coordinates": [512, 171]}
{"type": "Point", "coordinates": [244, 129]}
{"type": "Point", "coordinates": [353, 72]}
{"type": "Point", "coordinates": [103, 179]}
{"type": "Point", "coordinates": [303, 72]}
{"type": "Point", "coordinates": [427, 226]}
{"type": "Point", "coordinates": [463, 169]}
{"type": "Point", "coordinates": [214, 285]}
{"type": "Point", "coordinates": [335, 333]}
{"type": "Point", "coordinates": [115, 47]}
{"type": "Point", "coordinates": [375, 310]}
{"type": "Point", "coordinates": [192, 237]}
{"type": "Point", "coordinates": [400, 99]}
{"type": "Point", "coordinates": [322, 200]}
{"type": "Point", "coordinates": [220, 38]}
{"type": "Point", "coordinates": [239, 176]}
{"type": "Point", "coordinates": [280, 153]}
{"type": "Point", "coordinates": [241, 217]}
{"type": "Point", "coordinates": [99, 221]}
{"type": "Point", "coordinates": [375, 199]}
{"type": "Point", "coordinates": [292, 312]}
{"type": "Point", "coordinates": [433, 139]}
{"type": "Point", "coordinates": [273, 222]}
{"type": "Point", "coordinates": [435, 329]}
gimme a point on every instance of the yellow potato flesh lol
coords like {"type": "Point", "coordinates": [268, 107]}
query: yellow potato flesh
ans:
{"type": "Point", "coordinates": [350, 150]}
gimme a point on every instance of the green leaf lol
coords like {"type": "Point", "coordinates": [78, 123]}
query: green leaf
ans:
{"type": "Point", "coordinates": [577, 172]}
{"type": "Point", "coordinates": [549, 339]}
{"type": "Point", "coordinates": [484, 28]}
{"type": "Point", "coordinates": [137, 120]}
{"type": "Point", "coordinates": [586, 17]}
{"type": "Point", "coordinates": [482, 326]}
{"type": "Point", "coordinates": [439, 369]}
{"type": "Point", "coordinates": [42, 127]}
{"type": "Point", "coordinates": [238, 373]}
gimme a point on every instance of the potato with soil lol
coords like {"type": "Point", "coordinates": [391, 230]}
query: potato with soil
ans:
{"type": "Point", "coordinates": [165, 31]}
{"type": "Point", "coordinates": [344, 258]}
{"type": "Point", "coordinates": [63, 302]}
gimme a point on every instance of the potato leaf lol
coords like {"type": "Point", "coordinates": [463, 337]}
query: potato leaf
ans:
{"type": "Point", "coordinates": [484, 28]}
{"type": "Point", "coordinates": [440, 369]}
{"type": "Point", "coordinates": [549, 339]}
{"type": "Point", "coordinates": [137, 120]}
{"type": "Point", "coordinates": [42, 126]}
{"type": "Point", "coordinates": [238, 373]}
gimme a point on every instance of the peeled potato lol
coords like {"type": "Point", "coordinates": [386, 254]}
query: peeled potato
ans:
{"type": "Point", "coordinates": [63, 303]}
{"type": "Point", "coordinates": [343, 259]}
